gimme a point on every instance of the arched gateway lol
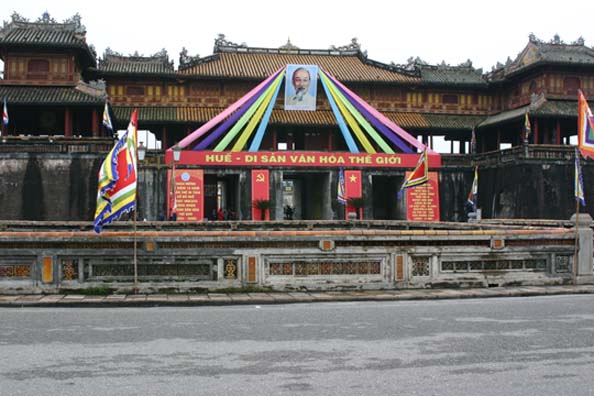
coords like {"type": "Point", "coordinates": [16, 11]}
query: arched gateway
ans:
{"type": "Point", "coordinates": [233, 161]}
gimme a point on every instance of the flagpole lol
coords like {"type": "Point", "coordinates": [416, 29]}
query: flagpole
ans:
{"type": "Point", "coordinates": [135, 289]}
{"type": "Point", "coordinates": [136, 210]}
{"type": "Point", "coordinates": [577, 187]}
{"type": "Point", "coordinates": [575, 251]}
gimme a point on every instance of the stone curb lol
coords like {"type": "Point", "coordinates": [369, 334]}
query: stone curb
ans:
{"type": "Point", "coordinates": [218, 299]}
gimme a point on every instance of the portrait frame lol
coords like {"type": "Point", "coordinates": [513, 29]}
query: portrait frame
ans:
{"type": "Point", "coordinates": [304, 100]}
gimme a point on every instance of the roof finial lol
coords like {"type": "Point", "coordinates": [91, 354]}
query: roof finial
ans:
{"type": "Point", "coordinates": [288, 46]}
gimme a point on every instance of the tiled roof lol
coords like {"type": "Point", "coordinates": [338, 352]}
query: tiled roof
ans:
{"type": "Point", "coordinates": [200, 115]}
{"type": "Point", "coordinates": [253, 65]}
{"type": "Point", "coordinates": [557, 108]}
{"type": "Point", "coordinates": [114, 63]}
{"type": "Point", "coordinates": [48, 96]}
{"type": "Point", "coordinates": [459, 75]}
{"type": "Point", "coordinates": [407, 120]}
{"type": "Point", "coordinates": [146, 114]}
{"type": "Point", "coordinates": [452, 121]}
{"type": "Point", "coordinates": [538, 52]}
{"type": "Point", "coordinates": [504, 116]}
{"type": "Point", "coordinates": [544, 108]}
{"type": "Point", "coordinates": [49, 34]}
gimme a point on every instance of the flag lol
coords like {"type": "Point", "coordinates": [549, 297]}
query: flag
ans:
{"type": "Point", "coordinates": [473, 195]}
{"type": "Point", "coordinates": [578, 182]}
{"type": "Point", "coordinates": [585, 127]}
{"type": "Point", "coordinates": [5, 113]}
{"type": "Point", "coordinates": [473, 142]}
{"type": "Point", "coordinates": [526, 128]}
{"type": "Point", "coordinates": [116, 193]}
{"type": "Point", "coordinates": [419, 176]}
{"type": "Point", "coordinates": [341, 189]}
{"type": "Point", "coordinates": [106, 118]}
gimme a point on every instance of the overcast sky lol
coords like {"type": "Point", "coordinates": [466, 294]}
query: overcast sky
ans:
{"type": "Point", "coordinates": [485, 32]}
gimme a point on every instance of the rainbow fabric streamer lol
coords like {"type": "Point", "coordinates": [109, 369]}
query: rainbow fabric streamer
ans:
{"type": "Point", "coordinates": [243, 124]}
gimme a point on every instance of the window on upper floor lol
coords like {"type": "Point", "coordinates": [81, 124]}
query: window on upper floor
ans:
{"type": "Point", "coordinates": [449, 99]}
{"type": "Point", "coordinates": [38, 66]}
{"type": "Point", "coordinates": [571, 85]}
{"type": "Point", "coordinates": [135, 91]}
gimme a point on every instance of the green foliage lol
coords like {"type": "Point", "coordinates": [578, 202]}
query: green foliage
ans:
{"type": "Point", "coordinates": [356, 202]}
{"type": "Point", "coordinates": [247, 289]}
{"type": "Point", "coordinates": [89, 291]}
{"type": "Point", "coordinates": [262, 204]}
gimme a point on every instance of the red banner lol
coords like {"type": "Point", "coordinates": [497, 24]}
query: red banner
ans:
{"type": "Point", "coordinates": [422, 202]}
{"type": "Point", "coordinates": [260, 191]}
{"type": "Point", "coordinates": [300, 158]}
{"type": "Point", "coordinates": [352, 184]}
{"type": "Point", "coordinates": [187, 190]}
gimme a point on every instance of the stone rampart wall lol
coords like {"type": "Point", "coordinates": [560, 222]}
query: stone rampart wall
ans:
{"type": "Point", "coordinates": [348, 257]}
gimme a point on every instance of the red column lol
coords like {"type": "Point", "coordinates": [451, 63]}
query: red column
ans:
{"type": "Point", "coordinates": [558, 133]}
{"type": "Point", "coordinates": [260, 190]}
{"type": "Point", "coordinates": [95, 123]}
{"type": "Point", "coordinates": [353, 189]}
{"type": "Point", "coordinates": [535, 131]}
{"type": "Point", "coordinates": [67, 122]}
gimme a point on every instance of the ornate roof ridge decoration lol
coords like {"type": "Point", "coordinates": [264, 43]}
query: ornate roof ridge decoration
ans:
{"type": "Point", "coordinates": [195, 61]}
{"type": "Point", "coordinates": [46, 22]}
{"type": "Point", "coordinates": [464, 66]}
{"type": "Point", "coordinates": [350, 49]}
{"type": "Point", "coordinates": [158, 58]}
{"type": "Point", "coordinates": [556, 40]}
{"type": "Point", "coordinates": [224, 45]}
{"type": "Point", "coordinates": [540, 51]}
{"type": "Point", "coordinates": [186, 61]}
{"type": "Point", "coordinates": [402, 69]}
{"type": "Point", "coordinates": [289, 46]}
{"type": "Point", "coordinates": [93, 88]}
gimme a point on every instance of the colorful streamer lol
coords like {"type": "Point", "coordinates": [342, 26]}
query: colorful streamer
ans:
{"type": "Point", "coordinates": [255, 146]}
{"type": "Point", "coordinates": [226, 113]}
{"type": "Point", "coordinates": [386, 121]}
{"type": "Point", "coordinates": [354, 116]}
{"type": "Point", "coordinates": [341, 124]}
{"type": "Point", "coordinates": [362, 121]}
{"type": "Point", "coordinates": [245, 135]}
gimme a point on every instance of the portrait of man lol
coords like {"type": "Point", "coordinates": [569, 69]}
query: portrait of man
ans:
{"type": "Point", "coordinates": [300, 87]}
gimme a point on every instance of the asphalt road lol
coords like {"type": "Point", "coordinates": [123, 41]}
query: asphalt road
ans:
{"type": "Point", "coordinates": [502, 346]}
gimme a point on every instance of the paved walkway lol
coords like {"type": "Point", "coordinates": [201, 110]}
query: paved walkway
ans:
{"type": "Point", "coordinates": [151, 300]}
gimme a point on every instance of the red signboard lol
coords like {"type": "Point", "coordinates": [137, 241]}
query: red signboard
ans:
{"type": "Point", "coordinates": [352, 186]}
{"type": "Point", "coordinates": [188, 191]}
{"type": "Point", "coordinates": [300, 158]}
{"type": "Point", "coordinates": [422, 202]}
{"type": "Point", "coordinates": [260, 190]}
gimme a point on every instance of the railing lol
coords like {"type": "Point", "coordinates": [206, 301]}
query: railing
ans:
{"type": "Point", "coordinates": [70, 144]}
{"type": "Point", "coordinates": [532, 152]}
{"type": "Point", "coordinates": [54, 144]}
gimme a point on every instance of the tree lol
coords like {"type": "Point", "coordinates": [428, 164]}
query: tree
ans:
{"type": "Point", "coordinates": [263, 205]}
{"type": "Point", "coordinates": [358, 203]}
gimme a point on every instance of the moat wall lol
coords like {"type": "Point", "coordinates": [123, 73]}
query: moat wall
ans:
{"type": "Point", "coordinates": [63, 186]}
